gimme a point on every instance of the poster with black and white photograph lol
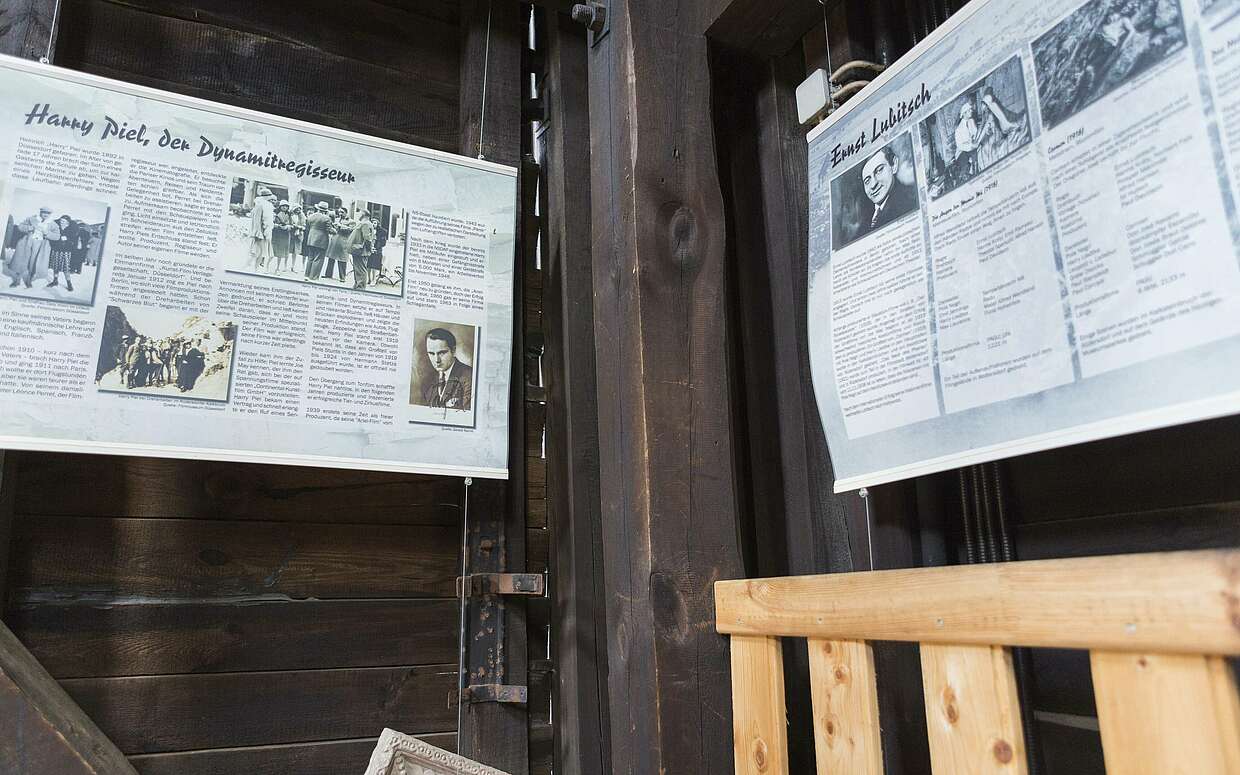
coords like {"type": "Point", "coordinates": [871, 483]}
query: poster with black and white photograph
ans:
{"type": "Point", "coordinates": [1069, 269]}
{"type": "Point", "coordinates": [976, 130]}
{"type": "Point", "coordinates": [181, 278]}
{"type": "Point", "coordinates": [1100, 46]}
{"type": "Point", "coordinates": [160, 353]}
{"type": "Point", "coordinates": [307, 236]}
{"type": "Point", "coordinates": [53, 246]}
{"type": "Point", "coordinates": [875, 192]}
{"type": "Point", "coordinates": [441, 382]}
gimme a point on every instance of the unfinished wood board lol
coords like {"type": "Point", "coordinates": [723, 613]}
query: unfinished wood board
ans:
{"type": "Point", "coordinates": [845, 693]}
{"type": "Point", "coordinates": [1176, 601]}
{"type": "Point", "coordinates": [759, 720]}
{"type": "Point", "coordinates": [972, 710]}
{"type": "Point", "coordinates": [1165, 714]}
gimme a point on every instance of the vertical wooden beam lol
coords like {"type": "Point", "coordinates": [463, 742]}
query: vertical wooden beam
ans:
{"type": "Point", "coordinates": [28, 28]}
{"type": "Point", "coordinates": [972, 710]}
{"type": "Point", "coordinates": [845, 691]}
{"type": "Point", "coordinates": [669, 508]}
{"type": "Point", "coordinates": [582, 730]}
{"type": "Point", "coordinates": [759, 726]}
{"type": "Point", "coordinates": [493, 34]}
{"type": "Point", "coordinates": [8, 495]}
{"type": "Point", "coordinates": [1163, 713]}
{"type": "Point", "coordinates": [41, 729]}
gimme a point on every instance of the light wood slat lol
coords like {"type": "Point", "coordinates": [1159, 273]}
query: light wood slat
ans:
{"type": "Point", "coordinates": [1227, 710]}
{"type": "Point", "coordinates": [759, 721]}
{"type": "Point", "coordinates": [972, 710]}
{"type": "Point", "coordinates": [1165, 714]}
{"type": "Point", "coordinates": [845, 695]}
{"type": "Point", "coordinates": [1184, 602]}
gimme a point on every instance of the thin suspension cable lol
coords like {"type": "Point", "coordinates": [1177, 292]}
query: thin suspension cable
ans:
{"type": "Point", "coordinates": [51, 35]}
{"type": "Point", "coordinates": [869, 525]}
{"type": "Point", "coordinates": [486, 66]}
{"type": "Point", "coordinates": [460, 652]}
{"type": "Point", "coordinates": [826, 39]}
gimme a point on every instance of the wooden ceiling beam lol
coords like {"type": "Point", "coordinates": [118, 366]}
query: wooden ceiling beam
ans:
{"type": "Point", "coordinates": [766, 28]}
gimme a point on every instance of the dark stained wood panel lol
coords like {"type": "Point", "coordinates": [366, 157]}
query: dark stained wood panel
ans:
{"type": "Point", "coordinates": [337, 757]}
{"type": "Point", "coordinates": [153, 714]}
{"type": "Point", "coordinates": [1206, 526]}
{"type": "Point", "coordinates": [86, 641]}
{"type": "Point", "coordinates": [68, 558]}
{"type": "Point", "coordinates": [1179, 466]}
{"type": "Point", "coordinates": [55, 484]}
{"type": "Point", "coordinates": [255, 71]}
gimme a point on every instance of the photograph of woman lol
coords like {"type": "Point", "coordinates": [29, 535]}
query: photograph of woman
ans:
{"type": "Point", "coordinates": [976, 130]}
{"type": "Point", "coordinates": [49, 238]}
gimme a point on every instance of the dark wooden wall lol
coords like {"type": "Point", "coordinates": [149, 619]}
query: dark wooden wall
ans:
{"type": "Point", "coordinates": [228, 618]}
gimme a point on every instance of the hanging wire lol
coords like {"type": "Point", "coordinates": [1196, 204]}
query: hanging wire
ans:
{"type": "Point", "coordinates": [51, 35]}
{"type": "Point", "coordinates": [486, 65]}
{"type": "Point", "coordinates": [460, 652]}
{"type": "Point", "coordinates": [869, 525]}
{"type": "Point", "coordinates": [826, 39]}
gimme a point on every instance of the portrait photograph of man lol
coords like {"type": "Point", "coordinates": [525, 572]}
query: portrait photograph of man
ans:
{"type": "Point", "coordinates": [876, 192]}
{"type": "Point", "coordinates": [442, 383]}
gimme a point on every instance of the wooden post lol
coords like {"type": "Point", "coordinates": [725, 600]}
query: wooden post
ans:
{"type": "Point", "coordinates": [495, 733]}
{"type": "Point", "coordinates": [759, 727]}
{"type": "Point", "coordinates": [846, 724]}
{"type": "Point", "coordinates": [582, 729]}
{"type": "Point", "coordinates": [1158, 712]}
{"type": "Point", "coordinates": [8, 492]}
{"type": "Point", "coordinates": [669, 509]}
{"type": "Point", "coordinates": [972, 710]}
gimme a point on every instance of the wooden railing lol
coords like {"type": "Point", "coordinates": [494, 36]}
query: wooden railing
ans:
{"type": "Point", "coordinates": [1157, 627]}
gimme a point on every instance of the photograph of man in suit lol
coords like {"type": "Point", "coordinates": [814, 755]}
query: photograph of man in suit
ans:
{"type": "Point", "coordinates": [889, 197]}
{"type": "Point", "coordinates": [454, 380]}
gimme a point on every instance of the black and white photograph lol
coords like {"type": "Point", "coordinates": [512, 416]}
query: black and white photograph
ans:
{"type": "Point", "coordinates": [876, 192]}
{"type": "Point", "coordinates": [53, 247]}
{"type": "Point", "coordinates": [164, 353]}
{"type": "Point", "coordinates": [976, 130]}
{"type": "Point", "coordinates": [1100, 46]}
{"type": "Point", "coordinates": [314, 237]}
{"type": "Point", "coordinates": [442, 380]}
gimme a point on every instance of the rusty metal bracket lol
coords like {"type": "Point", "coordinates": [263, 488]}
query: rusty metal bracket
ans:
{"type": "Point", "coordinates": [518, 695]}
{"type": "Point", "coordinates": [478, 584]}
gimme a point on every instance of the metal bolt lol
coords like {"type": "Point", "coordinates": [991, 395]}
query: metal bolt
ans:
{"type": "Point", "coordinates": [593, 15]}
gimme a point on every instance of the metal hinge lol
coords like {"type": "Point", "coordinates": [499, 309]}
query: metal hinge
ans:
{"type": "Point", "coordinates": [497, 693]}
{"type": "Point", "coordinates": [478, 584]}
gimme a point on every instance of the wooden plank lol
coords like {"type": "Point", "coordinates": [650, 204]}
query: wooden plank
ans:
{"type": "Point", "coordinates": [29, 29]}
{"type": "Point", "coordinates": [258, 72]}
{"type": "Point", "coordinates": [41, 729]}
{"type": "Point", "coordinates": [668, 504]}
{"type": "Point", "coordinates": [329, 758]}
{"type": "Point", "coordinates": [1177, 601]}
{"type": "Point", "coordinates": [402, 38]}
{"type": "Point", "coordinates": [153, 714]}
{"type": "Point", "coordinates": [1165, 713]}
{"type": "Point", "coordinates": [845, 696]}
{"type": "Point", "coordinates": [79, 641]}
{"type": "Point", "coordinates": [69, 558]}
{"type": "Point", "coordinates": [763, 27]}
{"type": "Point", "coordinates": [8, 494]}
{"type": "Point", "coordinates": [582, 729]}
{"type": "Point", "coordinates": [62, 484]}
{"type": "Point", "coordinates": [1204, 526]}
{"type": "Point", "coordinates": [759, 725]}
{"type": "Point", "coordinates": [497, 63]}
{"type": "Point", "coordinates": [972, 710]}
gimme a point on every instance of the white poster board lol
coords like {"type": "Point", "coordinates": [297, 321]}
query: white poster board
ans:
{"type": "Point", "coordinates": [186, 279]}
{"type": "Point", "coordinates": [1024, 235]}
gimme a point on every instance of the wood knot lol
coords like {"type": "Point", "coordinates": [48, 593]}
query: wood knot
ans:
{"type": "Point", "coordinates": [759, 755]}
{"type": "Point", "coordinates": [841, 674]}
{"type": "Point", "coordinates": [826, 647]}
{"type": "Point", "coordinates": [1003, 751]}
{"type": "Point", "coordinates": [830, 727]}
{"type": "Point", "coordinates": [682, 233]}
{"type": "Point", "coordinates": [1142, 662]}
{"type": "Point", "coordinates": [950, 711]}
